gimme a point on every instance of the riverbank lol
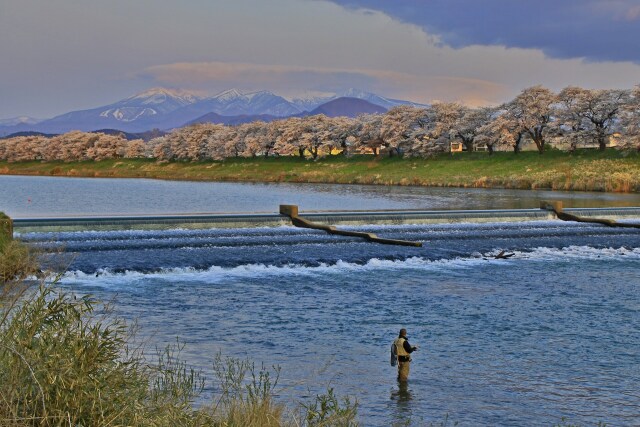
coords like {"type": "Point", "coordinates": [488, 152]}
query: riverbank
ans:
{"type": "Point", "coordinates": [587, 170]}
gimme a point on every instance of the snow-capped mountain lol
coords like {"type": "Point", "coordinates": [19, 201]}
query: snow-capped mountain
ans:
{"type": "Point", "coordinates": [161, 108]}
{"type": "Point", "coordinates": [13, 121]}
{"type": "Point", "coordinates": [143, 111]}
{"type": "Point", "coordinates": [234, 102]}
{"type": "Point", "coordinates": [311, 102]}
{"type": "Point", "coordinates": [148, 103]}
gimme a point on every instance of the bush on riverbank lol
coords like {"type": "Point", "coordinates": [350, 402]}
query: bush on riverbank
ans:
{"type": "Point", "coordinates": [17, 261]}
{"type": "Point", "coordinates": [67, 361]}
{"type": "Point", "coordinates": [4, 230]}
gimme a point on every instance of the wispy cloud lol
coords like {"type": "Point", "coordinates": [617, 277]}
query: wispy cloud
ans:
{"type": "Point", "coordinates": [633, 13]}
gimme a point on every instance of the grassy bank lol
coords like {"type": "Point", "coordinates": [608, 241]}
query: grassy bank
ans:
{"type": "Point", "coordinates": [586, 170]}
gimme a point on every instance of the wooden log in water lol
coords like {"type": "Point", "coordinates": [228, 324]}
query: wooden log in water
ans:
{"type": "Point", "coordinates": [292, 212]}
{"type": "Point", "coordinates": [557, 208]}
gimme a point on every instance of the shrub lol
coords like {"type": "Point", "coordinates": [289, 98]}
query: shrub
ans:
{"type": "Point", "coordinates": [68, 361]}
{"type": "Point", "coordinates": [17, 262]}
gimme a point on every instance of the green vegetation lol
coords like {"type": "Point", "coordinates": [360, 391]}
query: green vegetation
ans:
{"type": "Point", "coordinates": [584, 170]}
{"type": "Point", "coordinates": [5, 230]}
{"type": "Point", "coordinates": [68, 361]}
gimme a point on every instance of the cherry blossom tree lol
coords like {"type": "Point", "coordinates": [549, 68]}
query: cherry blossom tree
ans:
{"type": "Point", "coordinates": [532, 113]}
{"type": "Point", "coordinates": [289, 142]}
{"type": "Point", "coordinates": [498, 132]}
{"type": "Point", "coordinates": [630, 122]}
{"type": "Point", "coordinates": [592, 113]}
{"type": "Point", "coordinates": [368, 134]}
{"type": "Point", "coordinates": [468, 125]}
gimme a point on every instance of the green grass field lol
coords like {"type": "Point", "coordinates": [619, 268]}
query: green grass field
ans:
{"type": "Point", "coordinates": [586, 170]}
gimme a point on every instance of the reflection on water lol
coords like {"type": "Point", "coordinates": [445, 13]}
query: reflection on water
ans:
{"type": "Point", "coordinates": [25, 196]}
{"type": "Point", "coordinates": [402, 396]}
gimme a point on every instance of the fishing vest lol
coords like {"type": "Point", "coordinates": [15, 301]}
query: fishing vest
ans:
{"type": "Point", "coordinates": [399, 342]}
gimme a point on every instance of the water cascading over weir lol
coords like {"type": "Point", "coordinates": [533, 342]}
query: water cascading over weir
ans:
{"type": "Point", "coordinates": [348, 218]}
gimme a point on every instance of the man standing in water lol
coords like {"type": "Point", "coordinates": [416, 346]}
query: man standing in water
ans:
{"type": "Point", "coordinates": [403, 350]}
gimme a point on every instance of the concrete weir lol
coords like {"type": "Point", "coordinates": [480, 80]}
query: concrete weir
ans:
{"type": "Point", "coordinates": [195, 221]}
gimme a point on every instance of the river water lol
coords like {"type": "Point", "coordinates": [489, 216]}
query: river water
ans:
{"type": "Point", "coordinates": [551, 332]}
{"type": "Point", "coordinates": [22, 196]}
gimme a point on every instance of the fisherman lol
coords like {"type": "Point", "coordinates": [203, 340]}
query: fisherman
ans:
{"type": "Point", "coordinates": [403, 351]}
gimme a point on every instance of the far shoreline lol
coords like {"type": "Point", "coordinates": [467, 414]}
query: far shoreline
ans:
{"type": "Point", "coordinates": [587, 171]}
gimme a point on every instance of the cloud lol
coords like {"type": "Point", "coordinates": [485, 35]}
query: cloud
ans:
{"type": "Point", "coordinates": [64, 55]}
{"type": "Point", "coordinates": [294, 80]}
{"type": "Point", "coordinates": [592, 29]}
{"type": "Point", "coordinates": [633, 13]}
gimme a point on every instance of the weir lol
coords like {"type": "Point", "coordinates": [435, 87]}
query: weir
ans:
{"type": "Point", "coordinates": [352, 218]}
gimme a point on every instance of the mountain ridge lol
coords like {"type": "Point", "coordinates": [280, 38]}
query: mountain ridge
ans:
{"type": "Point", "coordinates": [162, 108]}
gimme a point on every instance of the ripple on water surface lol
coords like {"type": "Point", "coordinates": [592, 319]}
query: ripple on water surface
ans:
{"type": "Point", "coordinates": [551, 332]}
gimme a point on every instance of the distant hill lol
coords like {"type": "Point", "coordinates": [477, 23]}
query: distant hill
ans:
{"type": "Point", "coordinates": [232, 120]}
{"type": "Point", "coordinates": [348, 107]}
{"type": "Point", "coordinates": [28, 133]}
{"type": "Point", "coordinates": [146, 136]}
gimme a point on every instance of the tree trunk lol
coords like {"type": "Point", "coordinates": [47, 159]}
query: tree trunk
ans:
{"type": "Point", "coordinates": [538, 139]}
{"type": "Point", "coordinates": [601, 135]}
{"type": "Point", "coordinates": [490, 149]}
{"type": "Point", "coordinates": [516, 145]}
{"type": "Point", "coordinates": [301, 152]}
{"type": "Point", "coordinates": [602, 142]}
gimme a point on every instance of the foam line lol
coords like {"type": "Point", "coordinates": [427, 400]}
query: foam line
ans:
{"type": "Point", "coordinates": [216, 273]}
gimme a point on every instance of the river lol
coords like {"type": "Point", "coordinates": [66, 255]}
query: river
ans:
{"type": "Point", "coordinates": [551, 332]}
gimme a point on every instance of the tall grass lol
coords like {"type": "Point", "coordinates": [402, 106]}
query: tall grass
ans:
{"type": "Point", "coordinates": [69, 361]}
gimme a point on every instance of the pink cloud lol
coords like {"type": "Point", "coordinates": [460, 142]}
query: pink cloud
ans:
{"type": "Point", "coordinates": [633, 13]}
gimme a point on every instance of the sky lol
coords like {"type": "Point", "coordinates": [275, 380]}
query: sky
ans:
{"type": "Point", "coordinates": [62, 55]}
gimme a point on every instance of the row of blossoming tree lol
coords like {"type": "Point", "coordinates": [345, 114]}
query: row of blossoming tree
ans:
{"type": "Point", "coordinates": [570, 119]}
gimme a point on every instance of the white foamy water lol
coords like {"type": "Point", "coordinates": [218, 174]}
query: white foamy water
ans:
{"type": "Point", "coordinates": [215, 274]}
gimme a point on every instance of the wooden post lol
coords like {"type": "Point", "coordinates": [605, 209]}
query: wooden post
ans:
{"type": "Point", "coordinates": [289, 210]}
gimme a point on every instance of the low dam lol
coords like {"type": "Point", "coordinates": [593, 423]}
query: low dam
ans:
{"type": "Point", "coordinates": [396, 217]}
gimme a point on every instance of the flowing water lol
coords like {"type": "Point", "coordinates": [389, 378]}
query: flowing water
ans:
{"type": "Point", "coordinates": [552, 331]}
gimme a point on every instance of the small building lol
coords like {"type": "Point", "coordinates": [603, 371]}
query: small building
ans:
{"type": "Point", "coordinates": [455, 147]}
